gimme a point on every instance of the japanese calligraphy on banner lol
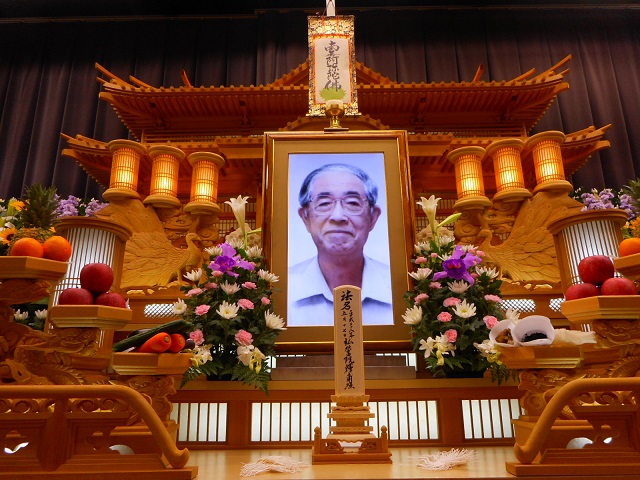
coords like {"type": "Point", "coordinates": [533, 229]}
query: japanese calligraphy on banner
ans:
{"type": "Point", "coordinates": [348, 346]}
{"type": "Point", "coordinates": [332, 73]}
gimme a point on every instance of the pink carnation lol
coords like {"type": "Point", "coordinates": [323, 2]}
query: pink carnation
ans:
{"type": "Point", "coordinates": [434, 255]}
{"type": "Point", "coordinates": [265, 301]}
{"type": "Point", "coordinates": [419, 298]}
{"type": "Point", "coordinates": [245, 303]}
{"type": "Point", "coordinates": [435, 285]}
{"type": "Point", "coordinates": [249, 285]}
{"type": "Point", "coordinates": [451, 301]}
{"type": "Point", "coordinates": [490, 321]}
{"type": "Point", "coordinates": [244, 338]}
{"type": "Point", "coordinates": [197, 337]}
{"type": "Point", "coordinates": [452, 335]}
{"type": "Point", "coordinates": [492, 298]}
{"type": "Point", "coordinates": [444, 317]}
{"type": "Point", "coordinates": [202, 309]}
{"type": "Point", "coordinates": [216, 273]}
{"type": "Point", "coordinates": [194, 291]}
{"type": "Point", "coordinates": [211, 286]}
{"type": "Point", "coordinates": [421, 260]}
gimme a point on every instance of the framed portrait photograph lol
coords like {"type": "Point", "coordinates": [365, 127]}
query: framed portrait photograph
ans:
{"type": "Point", "coordinates": [337, 211]}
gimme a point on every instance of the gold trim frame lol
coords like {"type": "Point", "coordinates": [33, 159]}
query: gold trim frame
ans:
{"type": "Point", "coordinates": [332, 59]}
{"type": "Point", "coordinates": [279, 148]}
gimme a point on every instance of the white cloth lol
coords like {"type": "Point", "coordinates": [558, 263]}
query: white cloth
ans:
{"type": "Point", "coordinates": [310, 300]}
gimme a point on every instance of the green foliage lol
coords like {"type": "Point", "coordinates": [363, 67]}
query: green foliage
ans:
{"type": "Point", "coordinates": [229, 309]}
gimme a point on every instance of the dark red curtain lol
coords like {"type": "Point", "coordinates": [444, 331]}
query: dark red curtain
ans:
{"type": "Point", "coordinates": [48, 80]}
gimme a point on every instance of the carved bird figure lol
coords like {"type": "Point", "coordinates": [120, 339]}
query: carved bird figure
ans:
{"type": "Point", "coordinates": [151, 260]}
{"type": "Point", "coordinates": [528, 254]}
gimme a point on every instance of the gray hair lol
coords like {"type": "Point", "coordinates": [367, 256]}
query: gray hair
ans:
{"type": "Point", "coordinates": [370, 188]}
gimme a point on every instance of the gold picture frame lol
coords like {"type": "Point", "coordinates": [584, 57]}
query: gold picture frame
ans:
{"type": "Point", "coordinates": [289, 153]}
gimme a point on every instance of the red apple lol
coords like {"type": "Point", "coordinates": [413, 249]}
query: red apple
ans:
{"type": "Point", "coordinates": [596, 269]}
{"type": "Point", "coordinates": [111, 299]}
{"type": "Point", "coordinates": [75, 296]}
{"type": "Point", "coordinates": [97, 277]}
{"type": "Point", "coordinates": [581, 290]}
{"type": "Point", "coordinates": [619, 286]}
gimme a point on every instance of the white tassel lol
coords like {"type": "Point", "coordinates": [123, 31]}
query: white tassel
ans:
{"type": "Point", "coordinates": [278, 464]}
{"type": "Point", "coordinates": [447, 460]}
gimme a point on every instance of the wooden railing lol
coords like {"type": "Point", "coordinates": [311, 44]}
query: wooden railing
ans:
{"type": "Point", "coordinates": [442, 412]}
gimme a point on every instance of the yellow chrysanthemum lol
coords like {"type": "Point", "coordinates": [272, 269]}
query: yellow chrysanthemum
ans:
{"type": "Point", "coordinates": [18, 205]}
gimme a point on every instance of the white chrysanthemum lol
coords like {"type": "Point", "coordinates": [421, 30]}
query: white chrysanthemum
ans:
{"type": "Point", "coordinates": [268, 276]}
{"type": "Point", "coordinates": [512, 315]}
{"type": "Point", "coordinates": [254, 252]}
{"type": "Point", "coordinates": [413, 315]}
{"type": "Point", "coordinates": [490, 272]}
{"type": "Point", "coordinates": [459, 286]}
{"type": "Point", "coordinates": [464, 309]}
{"type": "Point", "coordinates": [467, 247]}
{"type": "Point", "coordinates": [214, 251]}
{"type": "Point", "coordinates": [230, 288]}
{"type": "Point", "coordinates": [422, 247]}
{"type": "Point", "coordinates": [201, 355]}
{"type": "Point", "coordinates": [445, 238]}
{"type": "Point", "coordinates": [235, 242]}
{"type": "Point", "coordinates": [228, 310]}
{"type": "Point", "coordinates": [245, 352]}
{"type": "Point", "coordinates": [421, 273]}
{"type": "Point", "coordinates": [20, 316]}
{"type": "Point", "coordinates": [179, 307]}
{"type": "Point", "coordinates": [41, 314]}
{"type": "Point", "coordinates": [274, 322]}
{"type": "Point", "coordinates": [194, 275]}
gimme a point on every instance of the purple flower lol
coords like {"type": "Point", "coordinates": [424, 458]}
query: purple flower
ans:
{"type": "Point", "coordinates": [229, 260]}
{"type": "Point", "coordinates": [457, 266]}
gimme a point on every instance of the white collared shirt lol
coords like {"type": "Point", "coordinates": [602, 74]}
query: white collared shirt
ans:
{"type": "Point", "coordinates": [310, 301]}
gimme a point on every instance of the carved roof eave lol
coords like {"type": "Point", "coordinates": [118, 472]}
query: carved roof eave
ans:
{"type": "Point", "coordinates": [244, 155]}
{"type": "Point", "coordinates": [497, 107]}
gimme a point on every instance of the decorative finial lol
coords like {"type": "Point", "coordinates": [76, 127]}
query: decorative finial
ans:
{"type": "Point", "coordinates": [334, 109]}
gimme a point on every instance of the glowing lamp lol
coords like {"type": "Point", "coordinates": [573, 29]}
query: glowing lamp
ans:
{"type": "Point", "coordinates": [164, 176]}
{"type": "Point", "coordinates": [469, 182]}
{"type": "Point", "coordinates": [547, 160]}
{"type": "Point", "coordinates": [125, 163]}
{"type": "Point", "coordinates": [204, 183]}
{"type": "Point", "coordinates": [507, 166]}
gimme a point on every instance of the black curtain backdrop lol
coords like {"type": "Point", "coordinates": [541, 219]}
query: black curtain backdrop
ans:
{"type": "Point", "coordinates": [48, 80]}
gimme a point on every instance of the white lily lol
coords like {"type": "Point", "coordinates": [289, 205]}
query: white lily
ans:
{"type": "Point", "coordinates": [20, 316]}
{"type": "Point", "coordinates": [238, 207]}
{"type": "Point", "coordinates": [41, 314]}
{"type": "Point", "coordinates": [429, 206]}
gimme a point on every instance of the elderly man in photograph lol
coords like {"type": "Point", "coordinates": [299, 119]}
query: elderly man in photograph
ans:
{"type": "Point", "coordinates": [338, 207]}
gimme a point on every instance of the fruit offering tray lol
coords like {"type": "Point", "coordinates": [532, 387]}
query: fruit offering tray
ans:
{"type": "Point", "coordinates": [151, 363]}
{"type": "Point", "coordinates": [602, 307]}
{"type": "Point", "coordinates": [98, 316]}
{"type": "Point", "coordinates": [31, 267]}
{"type": "Point", "coordinates": [629, 265]}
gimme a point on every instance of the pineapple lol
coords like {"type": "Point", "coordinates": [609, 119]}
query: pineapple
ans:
{"type": "Point", "coordinates": [39, 214]}
{"type": "Point", "coordinates": [633, 190]}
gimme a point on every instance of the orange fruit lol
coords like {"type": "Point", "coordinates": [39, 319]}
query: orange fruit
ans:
{"type": "Point", "coordinates": [27, 247]}
{"type": "Point", "coordinates": [57, 248]}
{"type": "Point", "coordinates": [629, 246]}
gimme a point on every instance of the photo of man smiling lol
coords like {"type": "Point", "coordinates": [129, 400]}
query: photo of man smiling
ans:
{"type": "Point", "coordinates": [339, 207]}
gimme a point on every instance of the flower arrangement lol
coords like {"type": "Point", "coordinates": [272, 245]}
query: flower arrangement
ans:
{"type": "Point", "coordinates": [37, 213]}
{"type": "Point", "coordinates": [73, 206]}
{"type": "Point", "coordinates": [627, 199]}
{"type": "Point", "coordinates": [454, 303]}
{"type": "Point", "coordinates": [228, 304]}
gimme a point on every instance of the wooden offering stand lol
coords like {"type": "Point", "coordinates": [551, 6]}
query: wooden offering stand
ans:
{"type": "Point", "coordinates": [581, 393]}
{"type": "Point", "coordinates": [78, 412]}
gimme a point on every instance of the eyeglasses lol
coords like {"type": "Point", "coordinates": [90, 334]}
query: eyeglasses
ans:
{"type": "Point", "coordinates": [351, 204]}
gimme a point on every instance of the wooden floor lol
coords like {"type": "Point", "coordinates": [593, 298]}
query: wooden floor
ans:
{"type": "Point", "coordinates": [226, 464]}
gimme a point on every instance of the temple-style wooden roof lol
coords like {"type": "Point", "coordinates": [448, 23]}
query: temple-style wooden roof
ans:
{"type": "Point", "coordinates": [439, 117]}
